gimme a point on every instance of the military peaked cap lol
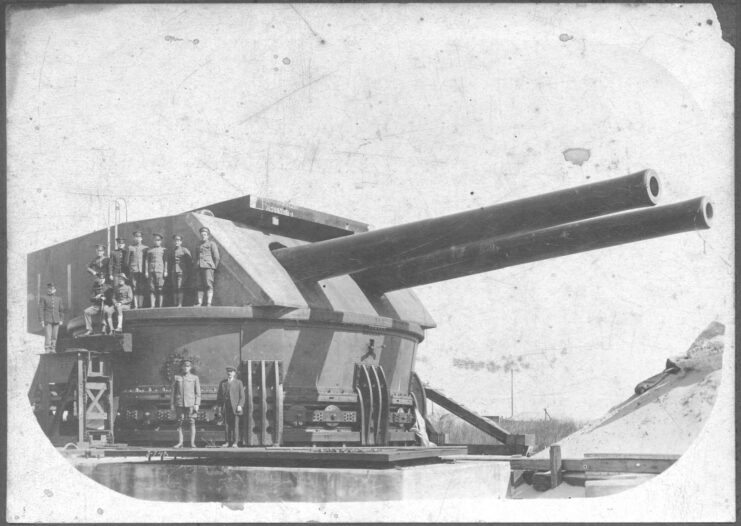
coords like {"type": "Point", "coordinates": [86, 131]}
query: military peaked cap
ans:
{"type": "Point", "coordinates": [204, 229]}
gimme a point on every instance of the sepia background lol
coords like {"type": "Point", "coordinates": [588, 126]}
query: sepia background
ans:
{"type": "Point", "coordinates": [389, 114]}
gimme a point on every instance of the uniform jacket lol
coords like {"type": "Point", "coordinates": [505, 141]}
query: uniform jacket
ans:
{"type": "Point", "coordinates": [51, 309]}
{"type": "Point", "coordinates": [180, 260]}
{"type": "Point", "coordinates": [123, 294]}
{"type": "Point", "coordinates": [232, 393]}
{"type": "Point", "coordinates": [100, 288]}
{"type": "Point", "coordinates": [136, 257]}
{"type": "Point", "coordinates": [208, 255]}
{"type": "Point", "coordinates": [119, 261]}
{"type": "Point", "coordinates": [186, 390]}
{"type": "Point", "coordinates": [156, 259]}
{"type": "Point", "coordinates": [100, 265]}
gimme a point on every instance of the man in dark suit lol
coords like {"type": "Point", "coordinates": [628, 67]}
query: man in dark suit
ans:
{"type": "Point", "coordinates": [230, 400]}
{"type": "Point", "coordinates": [51, 316]}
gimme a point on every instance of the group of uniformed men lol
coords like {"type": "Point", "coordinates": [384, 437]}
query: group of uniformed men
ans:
{"type": "Point", "coordinates": [148, 268]}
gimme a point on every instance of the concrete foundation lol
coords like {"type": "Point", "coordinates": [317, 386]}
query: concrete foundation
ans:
{"type": "Point", "coordinates": [192, 482]}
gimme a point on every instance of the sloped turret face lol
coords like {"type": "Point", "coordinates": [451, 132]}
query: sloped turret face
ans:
{"type": "Point", "coordinates": [319, 332]}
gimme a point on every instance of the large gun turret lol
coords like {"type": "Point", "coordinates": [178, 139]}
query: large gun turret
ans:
{"type": "Point", "coordinates": [312, 308]}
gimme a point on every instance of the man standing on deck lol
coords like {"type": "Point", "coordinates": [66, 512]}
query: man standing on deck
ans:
{"type": "Point", "coordinates": [119, 260]}
{"type": "Point", "coordinates": [137, 251]}
{"type": "Point", "coordinates": [206, 265]}
{"type": "Point", "coordinates": [156, 271]}
{"type": "Point", "coordinates": [100, 264]}
{"type": "Point", "coordinates": [185, 398]}
{"type": "Point", "coordinates": [51, 316]}
{"type": "Point", "coordinates": [230, 400]}
{"type": "Point", "coordinates": [180, 264]}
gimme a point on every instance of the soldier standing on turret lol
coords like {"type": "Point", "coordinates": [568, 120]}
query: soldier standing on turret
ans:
{"type": "Point", "coordinates": [156, 271]}
{"type": "Point", "coordinates": [180, 264]}
{"type": "Point", "coordinates": [137, 251]}
{"type": "Point", "coordinates": [119, 259]}
{"type": "Point", "coordinates": [100, 264]}
{"type": "Point", "coordinates": [208, 262]}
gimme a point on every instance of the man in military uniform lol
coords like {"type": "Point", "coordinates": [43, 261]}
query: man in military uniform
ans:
{"type": "Point", "coordinates": [179, 265]}
{"type": "Point", "coordinates": [119, 259]}
{"type": "Point", "coordinates": [100, 264]}
{"type": "Point", "coordinates": [135, 261]}
{"type": "Point", "coordinates": [122, 298]}
{"type": "Point", "coordinates": [101, 302]}
{"type": "Point", "coordinates": [206, 265]}
{"type": "Point", "coordinates": [185, 398]}
{"type": "Point", "coordinates": [155, 271]}
{"type": "Point", "coordinates": [230, 400]}
{"type": "Point", "coordinates": [51, 315]}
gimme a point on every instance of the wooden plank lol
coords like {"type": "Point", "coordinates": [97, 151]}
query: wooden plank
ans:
{"type": "Point", "coordinates": [555, 465]}
{"type": "Point", "coordinates": [544, 464]}
{"type": "Point", "coordinates": [618, 465]}
{"type": "Point", "coordinates": [487, 449]}
{"type": "Point", "coordinates": [573, 478]}
{"type": "Point", "coordinates": [632, 456]}
{"type": "Point", "coordinates": [626, 465]}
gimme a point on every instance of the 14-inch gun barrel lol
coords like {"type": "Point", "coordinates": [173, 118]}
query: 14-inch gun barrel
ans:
{"type": "Point", "coordinates": [355, 253]}
{"type": "Point", "coordinates": [581, 236]}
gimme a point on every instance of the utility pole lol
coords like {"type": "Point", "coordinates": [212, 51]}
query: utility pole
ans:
{"type": "Point", "coordinates": [512, 393]}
